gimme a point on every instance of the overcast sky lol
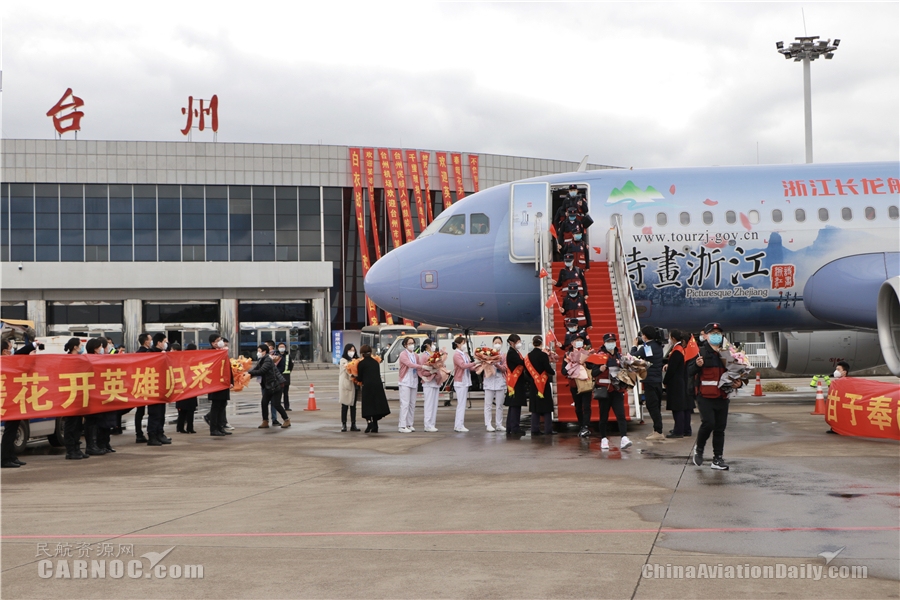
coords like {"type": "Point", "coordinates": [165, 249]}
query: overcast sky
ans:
{"type": "Point", "coordinates": [629, 84]}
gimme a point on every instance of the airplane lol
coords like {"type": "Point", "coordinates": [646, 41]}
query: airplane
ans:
{"type": "Point", "coordinates": [808, 254]}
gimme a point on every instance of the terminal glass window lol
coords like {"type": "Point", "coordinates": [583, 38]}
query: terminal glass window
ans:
{"type": "Point", "coordinates": [169, 222]}
{"type": "Point", "coordinates": [480, 224]}
{"type": "Point", "coordinates": [21, 221]}
{"type": "Point", "coordinates": [662, 219]}
{"type": "Point", "coordinates": [870, 213]}
{"type": "Point", "coordinates": [310, 227]}
{"type": "Point", "coordinates": [730, 217]}
{"type": "Point", "coordinates": [776, 216]}
{"type": "Point", "coordinates": [4, 223]}
{"type": "Point", "coordinates": [145, 223]}
{"type": "Point", "coordinates": [120, 223]}
{"type": "Point", "coordinates": [846, 213]}
{"type": "Point", "coordinates": [46, 209]}
{"type": "Point", "coordinates": [800, 215]}
{"type": "Point", "coordinates": [71, 223]}
{"type": "Point", "coordinates": [823, 214]}
{"type": "Point", "coordinates": [240, 221]}
{"type": "Point", "coordinates": [638, 219]}
{"type": "Point", "coordinates": [216, 223]}
{"type": "Point", "coordinates": [455, 225]}
{"type": "Point", "coordinates": [333, 199]}
{"type": "Point", "coordinates": [707, 217]}
{"type": "Point", "coordinates": [96, 223]}
{"type": "Point", "coordinates": [263, 223]}
{"type": "Point", "coordinates": [684, 218]}
{"type": "Point", "coordinates": [192, 219]}
{"type": "Point", "coordinates": [286, 239]}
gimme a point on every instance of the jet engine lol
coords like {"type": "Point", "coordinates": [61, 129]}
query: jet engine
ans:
{"type": "Point", "coordinates": [816, 353]}
{"type": "Point", "coordinates": [888, 318]}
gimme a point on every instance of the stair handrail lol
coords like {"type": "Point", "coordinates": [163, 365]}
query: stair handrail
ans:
{"type": "Point", "coordinates": [539, 260]}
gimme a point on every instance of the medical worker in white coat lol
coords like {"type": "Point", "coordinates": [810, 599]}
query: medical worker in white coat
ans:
{"type": "Point", "coordinates": [431, 386]}
{"type": "Point", "coordinates": [409, 385]}
{"type": "Point", "coordinates": [462, 380]}
{"type": "Point", "coordinates": [495, 390]}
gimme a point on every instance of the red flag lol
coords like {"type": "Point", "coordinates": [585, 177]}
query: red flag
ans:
{"type": "Point", "coordinates": [543, 273]}
{"type": "Point", "coordinates": [553, 231]}
{"type": "Point", "coordinates": [692, 350]}
{"type": "Point", "coordinates": [551, 337]}
{"type": "Point", "coordinates": [552, 301]}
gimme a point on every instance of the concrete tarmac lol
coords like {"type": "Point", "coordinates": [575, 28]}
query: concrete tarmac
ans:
{"type": "Point", "coordinates": [310, 512]}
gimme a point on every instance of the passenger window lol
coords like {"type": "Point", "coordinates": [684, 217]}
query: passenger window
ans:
{"type": "Point", "coordinates": [846, 214]}
{"type": "Point", "coordinates": [685, 218]}
{"type": "Point", "coordinates": [892, 212]}
{"type": "Point", "coordinates": [707, 217]}
{"type": "Point", "coordinates": [638, 220]}
{"type": "Point", "coordinates": [615, 219]}
{"type": "Point", "coordinates": [730, 217]}
{"type": "Point", "coordinates": [754, 216]}
{"type": "Point", "coordinates": [455, 225]}
{"type": "Point", "coordinates": [479, 224]}
{"type": "Point", "coordinates": [870, 213]}
{"type": "Point", "coordinates": [776, 216]}
{"type": "Point", "coordinates": [800, 215]}
{"type": "Point", "coordinates": [823, 214]}
{"type": "Point", "coordinates": [661, 219]}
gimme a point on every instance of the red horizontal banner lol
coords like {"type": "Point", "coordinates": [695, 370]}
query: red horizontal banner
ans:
{"type": "Point", "coordinates": [40, 386]}
{"type": "Point", "coordinates": [864, 408]}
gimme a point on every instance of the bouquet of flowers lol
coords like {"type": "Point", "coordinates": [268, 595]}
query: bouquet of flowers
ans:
{"type": "Point", "coordinates": [435, 368]}
{"type": "Point", "coordinates": [353, 371]}
{"type": "Point", "coordinates": [575, 364]}
{"type": "Point", "coordinates": [737, 370]}
{"type": "Point", "coordinates": [632, 370]}
{"type": "Point", "coordinates": [486, 358]}
{"type": "Point", "coordinates": [239, 368]}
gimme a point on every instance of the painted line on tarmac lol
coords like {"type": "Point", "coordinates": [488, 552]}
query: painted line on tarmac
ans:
{"type": "Point", "coordinates": [460, 532]}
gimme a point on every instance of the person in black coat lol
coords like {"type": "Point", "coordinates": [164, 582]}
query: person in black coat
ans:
{"type": "Point", "coordinates": [516, 386]}
{"type": "Point", "coordinates": [374, 401]}
{"type": "Point", "coordinates": [145, 340]}
{"type": "Point", "coordinates": [8, 458]}
{"type": "Point", "coordinates": [272, 384]}
{"type": "Point", "coordinates": [540, 397]}
{"type": "Point", "coordinates": [675, 381]}
{"type": "Point", "coordinates": [218, 400]}
{"type": "Point", "coordinates": [711, 401]}
{"type": "Point", "coordinates": [187, 407]}
{"type": "Point", "coordinates": [648, 348]}
{"type": "Point", "coordinates": [156, 413]}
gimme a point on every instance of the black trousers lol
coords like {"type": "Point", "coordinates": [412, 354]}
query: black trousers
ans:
{"type": "Point", "coordinates": [156, 418]}
{"type": "Point", "coordinates": [273, 397]}
{"type": "Point", "coordinates": [514, 419]}
{"type": "Point", "coordinates": [352, 410]}
{"type": "Point", "coordinates": [285, 400]}
{"type": "Point", "coordinates": [653, 400]}
{"type": "Point", "coordinates": [185, 419]}
{"type": "Point", "coordinates": [616, 402]}
{"type": "Point", "coordinates": [8, 441]}
{"type": "Point", "coordinates": [713, 420]}
{"type": "Point", "coordinates": [583, 408]}
{"type": "Point", "coordinates": [72, 429]}
{"type": "Point", "coordinates": [536, 422]}
{"type": "Point", "coordinates": [217, 415]}
{"type": "Point", "coordinates": [138, 417]}
{"type": "Point", "coordinates": [682, 422]}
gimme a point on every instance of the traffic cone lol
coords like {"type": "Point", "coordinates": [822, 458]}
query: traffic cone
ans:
{"type": "Point", "coordinates": [820, 400]}
{"type": "Point", "coordinates": [311, 403]}
{"type": "Point", "coordinates": [758, 391]}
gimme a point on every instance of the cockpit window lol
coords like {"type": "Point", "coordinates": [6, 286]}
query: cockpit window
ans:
{"type": "Point", "coordinates": [479, 224]}
{"type": "Point", "coordinates": [434, 226]}
{"type": "Point", "coordinates": [455, 225]}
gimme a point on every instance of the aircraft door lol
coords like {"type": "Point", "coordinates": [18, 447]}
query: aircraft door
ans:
{"type": "Point", "coordinates": [529, 207]}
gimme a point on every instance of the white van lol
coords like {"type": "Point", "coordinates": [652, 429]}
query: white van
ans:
{"type": "Point", "coordinates": [390, 358]}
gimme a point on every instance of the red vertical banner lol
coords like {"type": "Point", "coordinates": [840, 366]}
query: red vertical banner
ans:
{"type": "Point", "coordinates": [369, 156]}
{"type": "Point", "coordinates": [426, 184]}
{"type": "Point", "coordinates": [390, 198]}
{"type": "Point", "coordinates": [412, 162]}
{"type": "Point", "coordinates": [356, 172]}
{"type": "Point", "coordinates": [403, 191]}
{"type": "Point", "coordinates": [473, 168]}
{"type": "Point", "coordinates": [445, 178]}
{"type": "Point", "coordinates": [457, 175]}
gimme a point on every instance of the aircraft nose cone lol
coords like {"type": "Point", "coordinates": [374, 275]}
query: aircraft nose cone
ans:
{"type": "Point", "coordinates": [382, 283]}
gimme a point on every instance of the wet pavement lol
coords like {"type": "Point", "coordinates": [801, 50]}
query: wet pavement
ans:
{"type": "Point", "coordinates": [310, 512]}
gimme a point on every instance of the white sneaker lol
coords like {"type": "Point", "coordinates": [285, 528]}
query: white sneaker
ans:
{"type": "Point", "coordinates": [461, 430]}
{"type": "Point", "coordinates": [625, 442]}
{"type": "Point", "coordinates": [491, 429]}
{"type": "Point", "coordinates": [229, 427]}
{"type": "Point", "coordinates": [411, 428]}
{"type": "Point", "coordinates": [604, 444]}
{"type": "Point", "coordinates": [431, 429]}
{"type": "Point", "coordinates": [501, 428]}
{"type": "Point", "coordinates": [405, 430]}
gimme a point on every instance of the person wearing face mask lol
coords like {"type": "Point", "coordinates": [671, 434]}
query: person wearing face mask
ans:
{"type": "Point", "coordinates": [582, 400]}
{"type": "Point", "coordinates": [573, 332]}
{"type": "Point", "coordinates": [495, 390]}
{"type": "Point", "coordinates": [574, 199]}
{"type": "Point", "coordinates": [8, 458]}
{"type": "Point", "coordinates": [675, 381]}
{"type": "Point", "coordinates": [187, 407]}
{"type": "Point", "coordinates": [646, 347]}
{"type": "Point", "coordinates": [145, 342]}
{"type": "Point", "coordinates": [156, 413]}
{"type": "Point", "coordinates": [276, 358]}
{"type": "Point", "coordinates": [539, 373]}
{"type": "Point", "coordinates": [516, 386]}
{"type": "Point", "coordinates": [408, 385]}
{"type": "Point", "coordinates": [431, 387]}
{"type": "Point", "coordinates": [272, 382]}
{"type": "Point", "coordinates": [73, 426]}
{"type": "Point", "coordinates": [97, 425]}
{"type": "Point", "coordinates": [570, 273]}
{"type": "Point", "coordinates": [574, 306]}
{"type": "Point", "coordinates": [374, 401]}
{"type": "Point", "coordinates": [841, 369]}
{"type": "Point", "coordinates": [606, 365]}
{"type": "Point", "coordinates": [286, 365]}
{"type": "Point", "coordinates": [712, 402]}
{"type": "Point", "coordinates": [218, 400]}
{"type": "Point", "coordinates": [348, 391]}
{"type": "Point", "coordinates": [462, 380]}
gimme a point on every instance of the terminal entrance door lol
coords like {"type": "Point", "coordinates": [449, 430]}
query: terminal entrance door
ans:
{"type": "Point", "coordinates": [298, 339]}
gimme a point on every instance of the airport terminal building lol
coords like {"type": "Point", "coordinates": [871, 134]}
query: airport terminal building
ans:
{"type": "Point", "coordinates": [257, 241]}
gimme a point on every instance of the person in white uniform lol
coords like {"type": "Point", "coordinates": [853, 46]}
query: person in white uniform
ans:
{"type": "Point", "coordinates": [431, 386]}
{"type": "Point", "coordinates": [462, 380]}
{"type": "Point", "coordinates": [409, 385]}
{"type": "Point", "coordinates": [495, 390]}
